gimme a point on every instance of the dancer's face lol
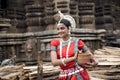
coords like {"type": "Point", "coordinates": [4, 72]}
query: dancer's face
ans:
{"type": "Point", "coordinates": [62, 30]}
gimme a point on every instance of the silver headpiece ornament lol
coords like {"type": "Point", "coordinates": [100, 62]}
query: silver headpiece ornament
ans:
{"type": "Point", "coordinates": [69, 18]}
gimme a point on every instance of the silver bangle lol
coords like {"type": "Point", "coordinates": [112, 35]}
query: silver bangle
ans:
{"type": "Point", "coordinates": [63, 61]}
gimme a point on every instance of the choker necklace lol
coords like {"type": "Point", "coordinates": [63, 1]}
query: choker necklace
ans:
{"type": "Point", "coordinates": [66, 40]}
{"type": "Point", "coordinates": [69, 41]}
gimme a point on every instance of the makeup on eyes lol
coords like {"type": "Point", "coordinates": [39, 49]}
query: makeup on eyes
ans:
{"type": "Point", "coordinates": [61, 28]}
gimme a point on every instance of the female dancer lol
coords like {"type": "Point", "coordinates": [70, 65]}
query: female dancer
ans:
{"type": "Point", "coordinates": [63, 54]}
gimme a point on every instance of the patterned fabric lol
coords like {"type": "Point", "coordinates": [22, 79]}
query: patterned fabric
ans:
{"type": "Point", "coordinates": [71, 71]}
{"type": "Point", "coordinates": [76, 73]}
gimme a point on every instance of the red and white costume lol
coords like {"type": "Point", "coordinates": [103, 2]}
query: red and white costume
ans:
{"type": "Point", "coordinates": [70, 71]}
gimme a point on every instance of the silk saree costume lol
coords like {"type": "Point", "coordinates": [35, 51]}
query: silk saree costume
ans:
{"type": "Point", "coordinates": [70, 71]}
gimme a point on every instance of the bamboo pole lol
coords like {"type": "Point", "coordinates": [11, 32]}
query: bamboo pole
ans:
{"type": "Point", "coordinates": [40, 66]}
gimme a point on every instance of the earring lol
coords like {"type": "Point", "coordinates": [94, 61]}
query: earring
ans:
{"type": "Point", "coordinates": [69, 32]}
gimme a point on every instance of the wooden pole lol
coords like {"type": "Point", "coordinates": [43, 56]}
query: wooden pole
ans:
{"type": "Point", "coordinates": [40, 66]}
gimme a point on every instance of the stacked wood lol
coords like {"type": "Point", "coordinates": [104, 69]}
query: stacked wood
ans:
{"type": "Point", "coordinates": [49, 72]}
{"type": "Point", "coordinates": [108, 56]}
{"type": "Point", "coordinates": [28, 70]}
{"type": "Point", "coordinates": [11, 72]}
{"type": "Point", "coordinates": [106, 74]}
{"type": "Point", "coordinates": [22, 72]}
{"type": "Point", "coordinates": [109, 63]}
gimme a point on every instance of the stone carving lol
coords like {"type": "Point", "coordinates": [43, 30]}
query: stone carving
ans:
{"type": "Point", "coordinates": [31, 49]}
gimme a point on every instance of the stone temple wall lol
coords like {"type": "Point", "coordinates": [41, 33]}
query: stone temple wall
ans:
{"type": "Point", "coordinates": [25, 25]}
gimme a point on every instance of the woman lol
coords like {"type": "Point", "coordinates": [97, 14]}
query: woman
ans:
{"type": "Point", "coordinates": [63, 54]}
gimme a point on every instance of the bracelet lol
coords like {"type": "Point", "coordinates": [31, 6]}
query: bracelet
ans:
{"type": "Point", "coordinates": [63, 61]}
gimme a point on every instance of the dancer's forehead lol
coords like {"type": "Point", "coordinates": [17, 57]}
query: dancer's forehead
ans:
{"type": "Point", "coordinates": [65, 22]}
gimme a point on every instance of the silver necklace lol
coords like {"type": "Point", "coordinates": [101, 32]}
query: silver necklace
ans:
{"type": "Point", "coordinates": [69, 41]}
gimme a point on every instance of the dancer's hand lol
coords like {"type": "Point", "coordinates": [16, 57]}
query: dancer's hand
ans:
{"type": "Point", "coordinates": [76, 54]}
{"type": "Point", "coordinates": [93, 63]}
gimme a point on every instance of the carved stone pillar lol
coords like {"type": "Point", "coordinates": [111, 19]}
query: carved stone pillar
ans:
{"type": "Point", "coordinates": [86, 14]}
{"type": "Point", "coordinates": [34, 14]}
{"type": "Point", "coordinates": [16, 12]}
{"type": "Point", "coordinates": [4, 25]}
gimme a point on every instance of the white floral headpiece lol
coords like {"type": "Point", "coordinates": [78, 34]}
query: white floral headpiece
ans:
{"type": "Point", "coordinates": [69, 18]}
